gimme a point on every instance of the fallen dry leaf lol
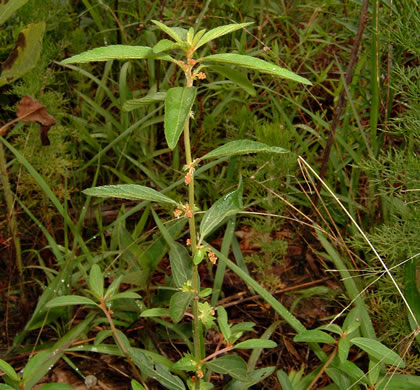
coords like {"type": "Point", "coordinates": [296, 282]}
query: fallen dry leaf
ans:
{"type": "Point", "coordinates": [30, 110]}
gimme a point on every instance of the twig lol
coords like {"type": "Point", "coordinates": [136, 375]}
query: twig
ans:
{"type": "Point", "coordinates": [341, 99]}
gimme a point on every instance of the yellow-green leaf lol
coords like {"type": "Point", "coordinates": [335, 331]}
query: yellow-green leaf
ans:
{"type": "Point", "coordinates": [254, 63]}
{"type": "Point", "coordinates": [178, 103]}
{"type": "Point", "coordinates": [116, 52]}
{"type": "Point", "coordinates": [128, 191]}
{"type": "Point", "coordinates": [25, 55]}
{"type": "Point", "coordinates": [8, 7]}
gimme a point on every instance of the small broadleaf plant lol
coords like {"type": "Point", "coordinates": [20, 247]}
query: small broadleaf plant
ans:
{"type": "Point", "coordinates": [178, 105]}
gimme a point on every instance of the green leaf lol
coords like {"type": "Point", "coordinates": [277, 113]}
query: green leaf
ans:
{"type": "Point", "coordinates": [178, 103]}
{"type": "Point", "coordinates": [155, 312]}
{"type": "Point", "coordinates": [256, 343]}
{"type": "Point", "coordinates": [258, 352]}
{"type": "Point", "coordinates": [230, 204]}
{"type": "Point", "coordinates": [205, 292]}
{"type": "Point", "coordinates": [129, 191]}
{"type": "Point", "coordinates": [314, 336]}
{"type": "Point", "coordinates": [334, 328]}
{"type": "Point", "coordinates": [25, 55]}
{"type": "Point", "coordinates": [102, 335]}
{"type": "Point", "coordinates": [222, 321]}
{"type": "Point", "coordinates": [136, 385]}
{"type": "Point", "coordinates": [114, 287]}
{"type": "Point", "coordinates": [377, 350]}
{"type": "Point", "coordinates": [178, 305]}
{"type": "Point", "coordinates": [374, 370]}
{"type": "Point", "coordinates": [172, 32]}
{"type": "Point", "coordinates": [6, 387]}
{"type": "Point", "coordinates": [132, 104]}
{"type": "Point", "coordinates": [8, 369]}
{"type": "Point", "coordinates": [412, 294]}
{"type": "Point", "coordinates": [181, 265]}
{"type": "Point", "coordinates": [197, 37]}
{"type": "Point", "coordinates": [96, 281]}
{"type": "Point", "coordinates": [116, 52]}
{"type": "Point", "coordinates": [284, 380]}
{"type": "Point", "coordinates": [190, 35]}
{"type": "Point", "coordinates": [156, 370]}
{"type": "Point", "coordinates": [187, 363]}
{"type": "Point", "coordinates": [339, 378]}
{"type": "Point", "coordinates": [242, 146]}
{"type": "Point", "coordinates": [205, 313]}
{"type": "Point", "coordinates": [199, 255]}
{"type": "Point", "coordinates": [242, 327]}
{"type": "Point", "coordinates": [124, 339]}
{"type": "Point", "coordinates": [232, 365]}
{"type": "Point", "coordinates": [237, 77]}
{"type": "Point", "coordinates": [353, 371]}
{"type": "Point", "coordinates": [8, 8]}
{"type": "Point", "coordinates": [220, 31]}
{"type": "Point", "coordinates": [253, 377]}
{"type": "Point", "coordinates": [343, 349]}
{"type": "Point", "coordinates": [69, 300]}
{"type": "Point", "coordinates": [125, 295]}
{"type": "Point", "coordinates": [399, 382]}
{"type": "Point", "coordinates": [164, 45]}
{"type": "Point", "coordinates": [255, 64]}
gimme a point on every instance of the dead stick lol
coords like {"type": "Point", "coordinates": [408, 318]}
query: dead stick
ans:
{"type": "Point", "coordinates": [341, 99]}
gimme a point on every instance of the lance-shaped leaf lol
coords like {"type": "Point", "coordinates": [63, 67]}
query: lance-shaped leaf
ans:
{"type": "Point", "coordinates": [69, 300]}
{"type": "Point", "coordinates": [378, 351]}
{"type": "Point", "coordinates": [242, 146]}
{"type": "Point", "coordinates": [164, 45]}
{"type": "Point", "coordinates": [9, 371]}
{"type": "Point", "coordinates": [8, 8]}
{"type": "Point", "coordinates": [129, 191]}
{"type": "Point", "coordinates": [176, 33]}
{"type": "Point", "coordinates": [155, 312]}
{"type": "Point", "coordinates": [116, 52]}
{"type": "Point", "coordinates": [181, 265]}
{"type": "Point", "coordinates": [252, 378]}
{"type": "Point", "coordinates": [255, 64]}
{"type": "Point", "coordinates": [412, 294]}
{"type": "Point", "coordinates": [314, 336]}
{"type": "Point", "coordinates": [178, 103]}
{"type": "Point", "coordinates": [156, 370]}
{"type": "Point", "coordinates": [256, 343]}
{"type": "Point", "coordinates": [222, 321]}
{"type": "Point", "coordinates": [220, 31]}
{"type": "Point", "coordinates": [25, 55]}
{"type": "Point", "coordinates": [96, 281]}
{"type": "Point", "coordinates": [178, 305]}
{"type": "Point", "coordinates": [6, 387]}
{"type": "Point", "coordinates": [232, 365]}
{"type": "Point", "coordinates": [228, 205]}
{"type": "Point", "coordinates": [132, 104]}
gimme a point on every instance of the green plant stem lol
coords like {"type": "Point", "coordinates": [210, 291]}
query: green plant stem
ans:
{"type": "Point", "coordinates": [193, 238]}
{"type": "Point", "coordinates": [11, 217]}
